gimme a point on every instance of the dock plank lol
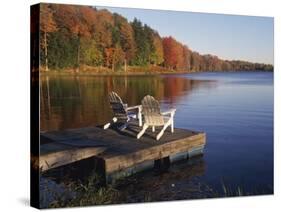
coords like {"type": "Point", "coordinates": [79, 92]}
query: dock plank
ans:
{"type": "Point", "coordinates": [55, 154]}
{"type": "Point", "coordinates": [119, 150]}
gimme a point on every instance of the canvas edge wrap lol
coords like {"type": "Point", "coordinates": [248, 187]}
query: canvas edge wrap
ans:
{"type": "Point", "coordinates": [34, 108]}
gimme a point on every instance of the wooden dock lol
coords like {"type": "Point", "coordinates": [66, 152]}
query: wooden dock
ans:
{"type": "Point", "coordinates": [120, 153]}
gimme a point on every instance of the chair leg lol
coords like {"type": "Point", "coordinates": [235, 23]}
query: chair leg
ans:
{"type": "Point", "coordinates": [172, 126]}
{"type": "Point", "coordinates": [140, 119]}
{"type": "Point", "coordinates": [159, 135]}
{"type": "Point", "coordinates": [162, 131]}
{"type": "Point", "coordinates": [142, 131]}
{"type": "Point", "coordinates": [106, 126]}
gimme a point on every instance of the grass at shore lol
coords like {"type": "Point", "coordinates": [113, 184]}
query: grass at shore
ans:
{"type": "Point", "coordinates": [92, 192]}
{"type": "Point", "coordinates": [87, 193]}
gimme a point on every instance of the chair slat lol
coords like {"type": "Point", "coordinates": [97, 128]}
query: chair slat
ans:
{"type": "Point", "coordinates": [122, 113]}
{"type": "Point", "coordinates": [151, 111]}
{"type": "Point", "coordinates": [117, 106]}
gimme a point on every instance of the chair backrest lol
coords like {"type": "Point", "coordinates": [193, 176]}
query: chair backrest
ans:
{"type": "Point", "coordinates": [151, 111]}
{"type": "Point", "coordinates": [117, 106]}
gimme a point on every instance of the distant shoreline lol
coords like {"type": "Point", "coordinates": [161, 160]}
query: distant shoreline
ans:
{"type": "Point", "coordinates": [122, 73]}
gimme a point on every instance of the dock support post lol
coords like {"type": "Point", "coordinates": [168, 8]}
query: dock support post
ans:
{"type": "Point", "coordinates": [162, 163]}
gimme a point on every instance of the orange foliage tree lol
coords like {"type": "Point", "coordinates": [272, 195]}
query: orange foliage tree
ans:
{"type": "Point", "coordinates": [173, 53]}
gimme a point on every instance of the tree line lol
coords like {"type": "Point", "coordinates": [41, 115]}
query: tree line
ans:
{"type": "Point", "coordinates": [75, 36]}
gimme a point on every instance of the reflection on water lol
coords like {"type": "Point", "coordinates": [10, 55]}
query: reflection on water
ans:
{"type": "Point", "coordinates": [181, 181]}
{"type": "Point", "coordinates": [234, 109]}
{"type": "Point", "coordinates": [72, 102]}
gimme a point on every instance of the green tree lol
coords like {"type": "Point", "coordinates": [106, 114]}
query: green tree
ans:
{"type": "Point", "coordinates": [90, 54]}
{"type": "Point", "coordinates": [62, 49]}
{"type": "Point", "coordinates": [143, 39]}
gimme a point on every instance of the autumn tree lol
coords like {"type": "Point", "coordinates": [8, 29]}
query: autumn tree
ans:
{"type": "Point", "coordinates": [195, 61]}
{"type": "Point", "coordinates": [103, 28]}
{"type": "Point", "coordinates": [169, 53]}
{"type": "Point", "coordinates": [186, 58]}
{"type": "Point", "coordinates": [71, 17]}
{"type": "Point", "coordinates": [114, 57]}
{"type": "Point", "coordinates": [47, 25]}
{"type": "Point", "coordinates": [173, 53]}
{"type": "Point", "coordinates": [123, 35]}
{"type": "Point", "coordinates": [226, 65]}
{"type": "Point", "coordinates": [157, 56]}
{"type": "Point", "coordinates": [102, 31]}
{"type": "Point", "coordinates": [118, 58]}
{"type": "Point", "coordinates": [81, 29]}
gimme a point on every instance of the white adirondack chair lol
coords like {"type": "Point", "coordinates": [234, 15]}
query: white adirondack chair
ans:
{"type": "Point", "coordinates": [123, 113]}
{"type": "Point", "coordinates": [153, 117]}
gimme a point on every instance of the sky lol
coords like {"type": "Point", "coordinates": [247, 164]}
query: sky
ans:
{"type": "Point", "coordinates": [229, 37]}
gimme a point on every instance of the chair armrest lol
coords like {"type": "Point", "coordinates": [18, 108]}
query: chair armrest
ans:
{"type": "Point", "coordinates": [171, 112]}
{"type": "Point", "coordinates": [134, 107]}
{"type": "Point", "coordinates": [139, 115]}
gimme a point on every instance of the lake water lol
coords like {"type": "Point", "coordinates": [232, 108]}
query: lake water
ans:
{"type": "Point", "coordinates": [234, 109]}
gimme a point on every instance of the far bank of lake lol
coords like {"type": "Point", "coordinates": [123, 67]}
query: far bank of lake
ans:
{"type": "Point", "coordinates": [109, 72]}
